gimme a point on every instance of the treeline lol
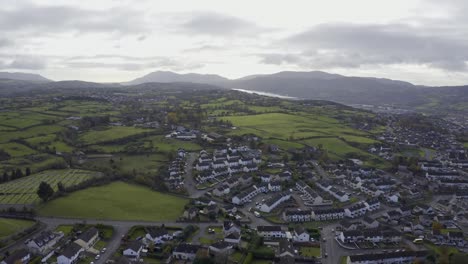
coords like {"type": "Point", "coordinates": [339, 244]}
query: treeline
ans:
{"type": "Point", "coordinates": [14, 174]}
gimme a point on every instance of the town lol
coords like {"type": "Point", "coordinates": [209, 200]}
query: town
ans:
{"type": "Point", "coordinates": [236, 181]}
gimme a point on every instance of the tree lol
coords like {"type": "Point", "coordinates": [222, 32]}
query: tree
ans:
{"type": "Point", "coordinates": [60, 187]}
{"type": "Point", "coordinates": [19, 173]}
{"type": "Point", "coordinates": [28, 171]}
{"type": "Point", "coordinates": [45, 191]}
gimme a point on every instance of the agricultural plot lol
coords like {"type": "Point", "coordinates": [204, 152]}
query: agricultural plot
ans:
{"type": "Point", "coordinates": [9, 227]}
{"type": "Point", "coordinates": [117, 201]}
{"type": "Point", "coordinates": [16, 149]}
{"type": "Point", "coordinates": [23, 191]}
{"type": "Point", "coordinates": [110, 134]}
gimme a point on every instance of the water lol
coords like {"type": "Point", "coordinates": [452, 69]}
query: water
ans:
{"type": "Point", "coordinates": [267, 94]}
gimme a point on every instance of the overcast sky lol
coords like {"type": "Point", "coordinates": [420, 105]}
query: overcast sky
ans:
{"type": "Point", "coordinates": [421, 41]}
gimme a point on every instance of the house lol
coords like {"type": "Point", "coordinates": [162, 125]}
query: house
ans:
{"type": "Point", "coordinates": [372, 204]}
{"type": "Point", "coordinates": [233, 238]}
{"type": "Point", "coordinates": [87, 239]}
{"type": "Point", "coordinates": [356, 210]}
{"type": "Point", "coordinates": [190, 213]}
{"type": "Point", "coordinates": [347, 225]}
{"type": "Point", "coordinates": [300, 185]}
{"type": "Point", "coordinates": [266, 178]}
{"type": "Point", "coordinates": [405, 210]}
{"type": "Point", "coordinates": [370, 222]}
{"type": "Point", "coordinates": [297, 215]}
{"type": "Point", "coordinates": [423, 209]}
{"type": "Point", "coordinates": [393, 215]}
{"type": "Point", "coordinates": [203, 166]}
{"type": "Point", "coordinates": [286, 248]}
{"type": "Point", "coordinates": [327, 214]}
{"type": "Point", "coordinates": [21, 256]}
{"type": "Point", "coordinates": [274, 186]}
{"type": "Point", "coordinates": [311, 197]}
{"type": "Point", "coordinates": [274, 201]}
{"type": "Point", "coordinates": [246, 195]}
{"type": "Point", "coordinates": [157, 235]}
{"type": "Point", "coordinates": [231, 227]}
{"type": "Point", "coordinates": [270, 231]}
{"type": "Point", "coordinates": [221, 248]}
{"type": "Point", "coordinates": [133, 250]}
{"type": "Point", "coordinates": [246, 179]}
{"type": "Point", "coordinates": [388, 257]}
{"type": "Point", "coordinates": [211, 209]}
{"type": "Point", "coordinates": [185, 252]}
{"type": "Point", "coordinates": [221, 190]}
{"type": "Point", "coordinates": [43, 243]}
{"type": "Point", "coordinates": [300, 234]}
{"type": "Point", "coordinates": [370, 235]}
{"type": "Point", "coordinates": [70, 254]}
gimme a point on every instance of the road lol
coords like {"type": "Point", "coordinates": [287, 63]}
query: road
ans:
{"type": "Point", "coordinates": [189, 183]}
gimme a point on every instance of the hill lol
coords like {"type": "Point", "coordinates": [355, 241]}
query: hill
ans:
{"type": "Point", "coordinates": [169, 77]}
{"type": "Point", "coordinates": [23, 76]}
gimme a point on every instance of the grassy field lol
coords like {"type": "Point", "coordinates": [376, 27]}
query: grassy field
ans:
{"type": "Point", "coordinates": [310, 252]}
{"type": "Point", "coordinates": [110, 134]}
{"type": "Point", "coordinates": [23, 190]}
{"type": "Point", "coordinates": [116, 201]}
{"type": "Point", "coordinates": [16, 150]}
{"type": "Point", "coordinates": [12, 226]}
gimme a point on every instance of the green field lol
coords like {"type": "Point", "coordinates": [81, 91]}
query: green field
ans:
{"type": "Point", "coordinates": [12, 226]}
{"type": "Point", "coordinates": [116, 201]}
{"type": "Point", "coordinates": [110, 134]}
{"type": "Point", "coordinates": [16, 150]}
{"type": "Point", "coordinates": [23, 190]}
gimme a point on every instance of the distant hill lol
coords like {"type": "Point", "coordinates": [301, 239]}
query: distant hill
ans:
{"type": "Point", "coordinates": [169, 77]}
{"type": "Point", "coordinates": [20, 76]}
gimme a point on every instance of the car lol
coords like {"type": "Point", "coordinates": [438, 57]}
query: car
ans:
{"type": "Point", "coordinates": [98, 256]}
{"type": "Point", "coordinates": [326, 254]}
{"type": "Point", "coordinates": [92, 262]}
{"type": "Point", "coordinates": [257, 214]}
{"type": "Point", "coordinates": [333, 230]}
{"type": "Point", "coordinates": [103, 250]}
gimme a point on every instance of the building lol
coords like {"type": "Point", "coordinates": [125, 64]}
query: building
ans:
{"type": "Point", "coordinates": [274, 201]}
{"type": "Point", "coordinates": [399, 257]}
{"type": "Point", "coordinates": [327, 214]}
{"type": "Point", "coordinates": [300, 234]}
{"type": "Point", "coordinates": [297, 215]}
{"type": "Point", "coordinates": [158, 235]}
{"type": "Point", "coordinates": [356, 210]}
{"type": "Point", "coordinates": [70, 254]}
{"type": "Point", "coordinates": [44, 243]}
{"type": "Point", "coordinates": [231, 227]}
{"type": "Point", "coordinates": [221, 248]}
{"type": "Point", "coordinates": [21, 256]}
{"type": "Point", "coordinates": [133, 250]}
{"type": "Point", "coordinates": [87, 239]}
{"type": "Point", "coordinates": [271, 232]}
{"type": "Point", "coordinates": [185, 252]}
{"type": "Point", "coordinates": [372, 204]}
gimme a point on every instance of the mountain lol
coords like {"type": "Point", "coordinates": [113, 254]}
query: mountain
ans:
{"type": "Point", "coordinates": [170, 77]}
{"type": "Point", "coordinates": [20, 76]}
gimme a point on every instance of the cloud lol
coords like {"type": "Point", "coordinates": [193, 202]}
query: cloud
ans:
{"type": "Point", "coordinates": [24, 63]}
{"type": "Point", "coordinates": [216, 24]}
{"type": "Point", "coordinates": [353, 45]}
{"type": "Point", "coordinates": [54, 18]}
{"type": "Point", "coordinates": [5, 42]}
{"type": "Point", "coordinates": [128, 63]}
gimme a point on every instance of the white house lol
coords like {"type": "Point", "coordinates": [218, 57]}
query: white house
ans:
{"type": "Point", "coordinates": [21, 256]}
{"type": "Point", "coordinates": [296, 215]}
{"type": "Point", "coordinates": [133, 250]}
{"type": "Point", "coordinates": [270, 231]}
{"type": "Point", "coordinates": [45, 242]}
{"type": "Point", "coordinates": [274, 201]}
{"type": "Point", "coordinates": [356, 210]}
{"type": "Point", "coordinates": [327, 214]}
{"type": "Point", "coordinates": [300, 235]}
{"type": "Point", "coordinates": [158, 235]}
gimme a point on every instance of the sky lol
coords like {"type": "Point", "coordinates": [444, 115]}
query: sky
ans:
{"type": "Point", "coordinates": [420, 41]}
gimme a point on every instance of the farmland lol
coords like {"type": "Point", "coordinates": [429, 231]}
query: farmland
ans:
{"type": "Point", "coordinates": [23, 190]}
{"type": "Point", "coordinates": [116, 201]}
{"type": "Point", "coordinates": [110, 134]}
{"type": "Point", "coordinates": [12, 226]}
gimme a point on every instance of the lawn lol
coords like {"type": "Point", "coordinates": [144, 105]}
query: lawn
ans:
{"type": "Point", "coordinates": [12, 226]}
{"type": "Point", "coordinates": [310, 252]}
{"type": "Point", "coordinates": [16, 150]}
{"type": "Point", "coordinates": [116, 201]}
{"type": "Point", "coordinates": [66, 229]}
